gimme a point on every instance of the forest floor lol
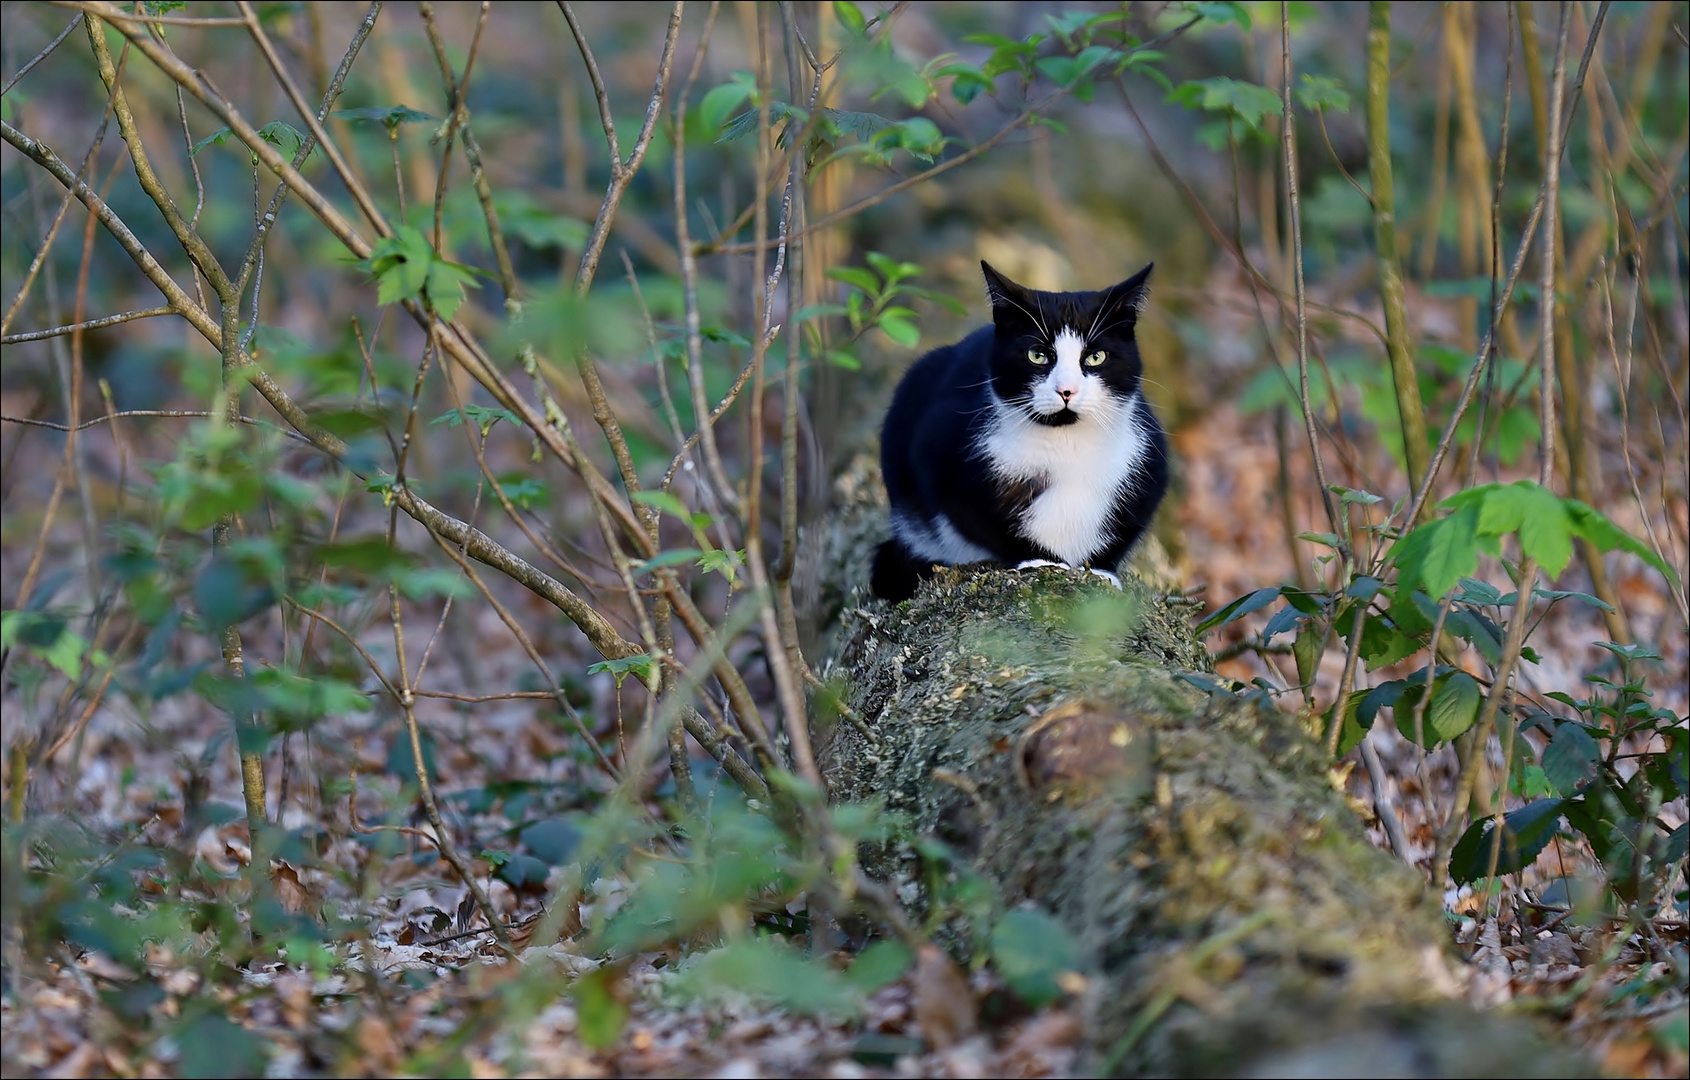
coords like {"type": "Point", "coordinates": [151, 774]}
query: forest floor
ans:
{"type": "Point", "coordinates": [76, 1015]}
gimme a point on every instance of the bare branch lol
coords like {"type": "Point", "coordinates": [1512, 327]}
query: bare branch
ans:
{"type": "Point", "coordinates": [91, 324]}
{"type": "Point", "coordinates": [40, 56]}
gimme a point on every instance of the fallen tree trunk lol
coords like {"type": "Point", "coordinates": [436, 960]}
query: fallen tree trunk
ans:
{"type": "Point", "coordinates": [1235, 918]}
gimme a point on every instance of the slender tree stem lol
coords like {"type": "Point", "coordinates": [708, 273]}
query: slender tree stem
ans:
{"type": "Point", "coordinates": [1407, 382]}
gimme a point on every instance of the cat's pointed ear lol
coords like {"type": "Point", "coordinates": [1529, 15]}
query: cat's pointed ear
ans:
{"type": "Point", "coordinates": [1132, 295]}
{"type": "Point", "coordinates": [1010, 302]}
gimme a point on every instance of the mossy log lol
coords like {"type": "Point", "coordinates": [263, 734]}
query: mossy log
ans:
{"type": "Point", "coordinates": [1235, 917]}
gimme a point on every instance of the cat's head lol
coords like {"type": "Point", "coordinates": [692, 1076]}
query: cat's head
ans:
{"type": "Point", "coordinates": [1064, 357]}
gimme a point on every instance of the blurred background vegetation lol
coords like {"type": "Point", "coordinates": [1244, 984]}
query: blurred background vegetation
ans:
{"type": "Point", "coordinates": [271, 706]}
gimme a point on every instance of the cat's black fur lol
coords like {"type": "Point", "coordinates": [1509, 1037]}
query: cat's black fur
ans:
{"type": "Point", "coordinates": [991, 455]}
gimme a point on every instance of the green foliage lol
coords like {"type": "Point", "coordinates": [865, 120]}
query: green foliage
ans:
{"type": "Point", "coordinates": [1317, 92]}
{"type": "Point", "coordinates": [1242, 107]}
{"type": "Point", "coordinates": [773, 973]}
{"type": "Point", "coordinates": [623, 666]}
{"type": "Point", "coordinates": [389, 117]}
{"type": "Point", "coordinates": [1434, 588]}
{"type": "Point", "coordinates": [482, 416]}
{"type": "Point", "coordinates": [1033, 951]}
{"type": "Point", "coordinates": [541, 229]}
{"type": "Point", "coordinates": [878, 298]}
{"type": "Point", "coordinates": [881, 964]}
{"type": "Point", "coordinates": [1525, 833]}
{"type": "Point", "coordinates": [279, 133]}
{"type": "Point", "coordinates": [405, 266]}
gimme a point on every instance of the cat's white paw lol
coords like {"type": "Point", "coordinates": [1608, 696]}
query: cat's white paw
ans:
{"type": "Point", "coordinates": [1107, 576]}
{"type": "Point", "coordinates": [1029, 564]}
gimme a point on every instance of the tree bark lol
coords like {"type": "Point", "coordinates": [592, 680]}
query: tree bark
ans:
{"type": "Point", "coordinates": [1234, 916]}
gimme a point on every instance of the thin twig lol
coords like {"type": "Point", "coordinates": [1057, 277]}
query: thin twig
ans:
{"type": "Point", "coordinates": [1288, 140]}
{"type": "Point", "coordinates": [91, 324]}
{"type": "Point", "coordinates": [40, 56]}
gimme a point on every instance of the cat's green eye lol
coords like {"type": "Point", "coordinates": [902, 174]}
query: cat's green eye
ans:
{"type": "Point", "coordinates": [1038, 356]}
{"type": "Point", "coordinates": [1096, 359]}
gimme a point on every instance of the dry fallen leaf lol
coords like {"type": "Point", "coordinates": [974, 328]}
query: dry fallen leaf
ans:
{"type": "Point", "coordinates": [944, 1005]}
{"type": "Point", "coordinates": [295, 896]}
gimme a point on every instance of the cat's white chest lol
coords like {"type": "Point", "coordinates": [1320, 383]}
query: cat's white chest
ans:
{"type": "Point", "coordinates": [1081, 469]}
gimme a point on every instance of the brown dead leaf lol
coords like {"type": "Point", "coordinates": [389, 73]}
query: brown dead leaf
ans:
{"type": "Point", "coordinates": [944, 1005]}
{"type": "Point", "coordinates": [295, 896]}
{"type": "Point", "coordinates": [482, 1069]}
{"type": "Point", "coordinates": [1626, 1056]}
{"type": "Point", "coordinates": [381, 1049]}
{"type": "Point", "coordinates": [104, 967]}
{"type": "Point", "coordinates": [295, 995]}
{"type": "Point", "coordinates": [79, 1062]}
{"type": "Point", "coordinates": [1051, 1030]}
{"type": "Point", "coordinates": [224, 848]}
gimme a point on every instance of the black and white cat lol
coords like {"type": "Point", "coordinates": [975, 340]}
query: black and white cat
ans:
{"type": "Point", "coordinates": [1028, 443]}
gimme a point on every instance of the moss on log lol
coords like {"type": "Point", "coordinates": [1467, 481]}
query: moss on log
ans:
{"type": "Point", "coordinates": [1237, 920]}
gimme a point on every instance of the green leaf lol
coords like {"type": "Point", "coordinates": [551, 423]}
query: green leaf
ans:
{"type": "Point", "coordinates": [1322, 92]}
{"type": "Point", "coordinates": [1230, 11]}
{"type": "Point", "coordinates": [417, 583]}
{"type": "Point", "coordinates": [388, 116]}
{"type": "Point", "coordinates": [881, 964]}
{"type": "Point", "coordinates": [1239, 608]}
{"type": "Point", "coordinates": [481, 415]}
{"type": "Point", "coordinates": [1286, 618]}
{"type": "Point", "coordinates": [220, 137]}
{"type": "Point", "coordinates": [1305, 648]}
{"type": "Point", "coordinates": [1437, 554]}
{"type": "Point", "coordinates": [1525, 833]}
{"type": "Point", "coordinates": [772, 972]}
{"type": "Point", "coordinates": [600, 1010]}
{"type": "Point", "coordinates": [722, 100]}
{"type": "Point", "coordinates": [66, 653]}
{"type": "Point", "coordinates": [726, 563]}
{"type": "Point", "coordinates": [523, 216]}
{"type": "Point", "coordinates": [1455, 707]}
{"type": "Point", "coordinates": [1245, 102]}
{"type": "Point", "coordinates": [1383, 644]}
{"type": "Point", "coordinates": [553, 841]}
{"type": "Point", "coordinates": [672, 557]}
{"type": "Point", "coordinates": [967, 81]}
{"type": "Point", "coordinates": [1589, 524]}
{"type": "Point", "coordinates": [620, 668]}
{"type": "Point", "coordinates": [810, 312]}
{"type": "Point", "coordinates": [400, 263]}
{"type": "Point", "coordinates": [523, 872]}
{"type": "Point", "coordinates": [1570, 758]}
{"type": "Point", "coordinates": [1552, 595]}
{"type": "Point", "coordinates": [281, 134]}
{"type": "Point", "coordinates": [1061, 70]}
{"type": "Point", "coordinates": [850, 17]}
{"type": "Point", "coordinates": [665, 501]}
{"type": "Point", "coordinates": [446, 282]}
{"type": "Point", "coordinates": [857, 277]}
{"type": "Point", "coordinates": [900, 330]}
{"type": "Point", "coordinates": [213, 1045]}
{"type": "Point", "coordinates": [1478, 593]}
{"type": "Point", "coordinates": [1544, 527]}
{"type": "Point", "coordinates": [1030, 950]}
{"type": "Point", "coordinates": [1364, 587]}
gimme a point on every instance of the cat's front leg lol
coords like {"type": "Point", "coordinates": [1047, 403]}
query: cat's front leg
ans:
{"type": "Point", "coordinates": [1033, 564]}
